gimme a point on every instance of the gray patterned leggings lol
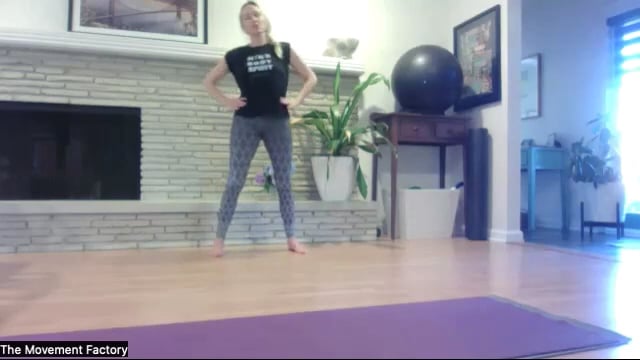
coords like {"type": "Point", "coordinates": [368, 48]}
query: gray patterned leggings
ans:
{"type": "Point", "coordinates": [246, 134]}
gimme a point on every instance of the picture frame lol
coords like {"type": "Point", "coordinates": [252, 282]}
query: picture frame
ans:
{"type": "Point", "coordinates": [168, 20]}
{"type": "Point", "coordinates": [530, 87]}
{"type": "Point", "coordinates": [476, 45]}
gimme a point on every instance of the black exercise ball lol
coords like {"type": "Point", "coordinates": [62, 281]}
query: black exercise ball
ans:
{"type": "Point", "coordinates": [427, 79]}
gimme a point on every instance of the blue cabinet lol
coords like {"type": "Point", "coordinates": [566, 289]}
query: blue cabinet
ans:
{"type": "Point", "coordinates": [544, 158]}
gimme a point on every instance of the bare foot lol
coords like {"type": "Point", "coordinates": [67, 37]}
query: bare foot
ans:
{"type": "Point", "coordinates": [295, 246]}
{"type": "Point", "coordinates": [218, 248]}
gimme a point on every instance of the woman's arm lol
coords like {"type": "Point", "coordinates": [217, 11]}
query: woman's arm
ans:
{"type": "Point", "coordinates": [210, 83]}
{"type": "Point", "coordinates": [308, 76]}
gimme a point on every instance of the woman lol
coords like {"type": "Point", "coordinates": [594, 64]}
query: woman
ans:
{"type": "Point", "coordinates": [261, 71]}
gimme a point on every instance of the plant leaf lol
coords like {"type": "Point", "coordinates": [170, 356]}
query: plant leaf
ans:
{"type": "Point", "coordinates": [338, 131]}
{"type": "Point", "coordinates": [593, 121]}
{"type": "Point", "coordinates": [361, 181]}
{"type": "Point", "coordinates": [346, 113]}
{"type": "Point", "coordinates": [368, 147]}
{"type": "Point", "coordinates": [336, 86]}
{"type": "Point", "coordinates": [393, 148]}
{"type": "Point", "coordinates": [316, 114]}
{"type": "Point", "coordinates": [321, 126]}
{"type": "Point", "coordinates": [335, 120]}
{"type": "Point", "coordinates": [334, 146]}
{"type": "Point", "coordinates": [372, 79]}
{"type": "Point", "coordinates": [328, 167]}
{"type": "Point", "coordinates": [359, 130]}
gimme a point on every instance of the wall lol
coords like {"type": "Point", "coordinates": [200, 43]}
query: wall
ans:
{"type": "Point", "coordinates": [224, 31]}
{"type": "Point", "coordinates": [575, 71]}
{"type": "Point", "coordinates": [44, 15]}
{"type": "Point", "coordinates": [501, 119]}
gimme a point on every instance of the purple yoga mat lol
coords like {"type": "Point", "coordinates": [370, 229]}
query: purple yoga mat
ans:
{"type": "Point", "coordinates": [480, 327]}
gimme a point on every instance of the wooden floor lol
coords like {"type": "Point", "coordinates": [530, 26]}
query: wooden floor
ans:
{"type": "Point", "coordinates": [79, 291]}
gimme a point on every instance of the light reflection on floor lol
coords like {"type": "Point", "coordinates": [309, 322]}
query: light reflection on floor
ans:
{"type": "Point", "coordinates": [603, 245]}
{"type": "Point", "coordinates": [626, 292]}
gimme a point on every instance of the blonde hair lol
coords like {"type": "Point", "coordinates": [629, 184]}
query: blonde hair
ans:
{"type": "Point", "coordinates": [277, 46]}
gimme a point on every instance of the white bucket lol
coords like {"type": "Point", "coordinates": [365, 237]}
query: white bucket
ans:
{"type": "Point", "coordinates": [427, 213]}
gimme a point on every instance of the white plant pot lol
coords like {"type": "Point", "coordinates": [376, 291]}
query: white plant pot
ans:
{"type": "Point", "coordinates": [339, 185]}
{"type": "Point", "coordinates": [600, 203]}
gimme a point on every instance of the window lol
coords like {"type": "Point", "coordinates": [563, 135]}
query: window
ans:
{"type": "Point", "coordinates": [625, 31]}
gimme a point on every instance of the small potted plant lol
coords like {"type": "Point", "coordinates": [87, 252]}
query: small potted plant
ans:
{"type": "Point", "coordinates": [266, 179]}
{"type": "Point", "coordinates": [338, 170]}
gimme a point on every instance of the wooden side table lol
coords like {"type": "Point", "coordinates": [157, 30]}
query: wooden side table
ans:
{"type": "Point", "coordinates": [425, 130]}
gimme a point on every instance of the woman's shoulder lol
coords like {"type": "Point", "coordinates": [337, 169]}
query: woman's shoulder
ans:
{"type": "Point", "coordinates": [285, 44]}
{"type": "Point", "coordinates": [235, 54]}
{"type": "Point", "coordinates": [286, 50]}
{"type": "Point", "coordinates": [236, 50]}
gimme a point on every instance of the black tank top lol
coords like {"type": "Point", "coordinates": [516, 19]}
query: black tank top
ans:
{"type": "Point", "coordinates": [262, 77]}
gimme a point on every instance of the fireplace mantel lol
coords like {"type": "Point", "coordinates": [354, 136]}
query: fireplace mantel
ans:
{"type": "Point", "coordinates": [113, 45]}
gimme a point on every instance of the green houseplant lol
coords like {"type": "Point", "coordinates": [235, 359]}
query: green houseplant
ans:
{"type": "Point", "coordinates": [597, 160]}
{"type": "Point", "coordinates": [338, 170]}
{"type": "Point", "coordinates": [595, 168]}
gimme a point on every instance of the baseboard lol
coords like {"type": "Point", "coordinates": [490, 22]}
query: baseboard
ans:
{"type": "Point", "coordinates": [508, 236]}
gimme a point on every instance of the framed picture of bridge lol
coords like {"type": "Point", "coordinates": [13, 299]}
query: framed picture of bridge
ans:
{"type": "Point", "coordinates": [170, 20]}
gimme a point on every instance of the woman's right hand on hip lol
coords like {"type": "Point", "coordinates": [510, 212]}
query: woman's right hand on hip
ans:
{"type": "Point", "coordinates": [235, 103]}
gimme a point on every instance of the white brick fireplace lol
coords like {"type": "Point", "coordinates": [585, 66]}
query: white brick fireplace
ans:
{"type": "Point", "coordinates": [184, 150]}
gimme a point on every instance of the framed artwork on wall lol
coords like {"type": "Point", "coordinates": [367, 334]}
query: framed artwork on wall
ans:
{"type": "Point", "coordinates": [476, 45]}
{"type": "Point", "coordinates": [171, 20]}
{"type": "Point", "coordinates": [530, 87]}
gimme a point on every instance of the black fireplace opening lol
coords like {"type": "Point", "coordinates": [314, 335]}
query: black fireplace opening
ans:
{"type": "Point", "coordinates": [69, 152]}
